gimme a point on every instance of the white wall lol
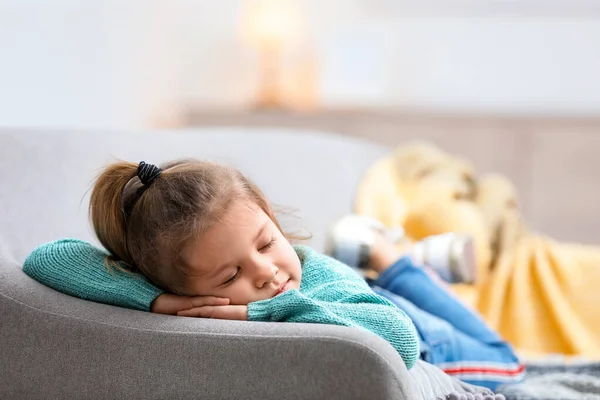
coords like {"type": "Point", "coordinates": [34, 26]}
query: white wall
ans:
{"type": "Point", "coordinates": [64, 64]}
{"type": "Point", "coordinates": [507, 65]}
{"type": "Point", "coordinates": [121, 64]}
{"type": "Point", "coordinates": [527, 57]}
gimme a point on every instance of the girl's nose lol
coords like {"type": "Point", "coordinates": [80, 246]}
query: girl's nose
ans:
{"type": "Point", "coordinates": [265, 275]}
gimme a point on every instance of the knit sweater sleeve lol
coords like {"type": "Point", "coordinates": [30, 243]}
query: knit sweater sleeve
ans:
{"type": "Point", "coordinates": [334, 295]}
{"type": "Point", "coordinates": [80, 269]}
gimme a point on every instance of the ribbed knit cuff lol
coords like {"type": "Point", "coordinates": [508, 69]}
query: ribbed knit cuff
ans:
{"type": "Point", "coordinates": [260, 310]}
{"type": "Point", "coordinates": [140, 294]}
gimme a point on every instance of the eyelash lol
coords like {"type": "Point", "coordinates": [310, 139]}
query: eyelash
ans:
{"type": "Point", "coordinates": [268, 245]}
{"type": "Point", "coordinates": [233, 278]}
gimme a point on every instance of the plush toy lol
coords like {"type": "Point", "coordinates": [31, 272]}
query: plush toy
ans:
{"type": "Point", "coordinates": [539, 294]}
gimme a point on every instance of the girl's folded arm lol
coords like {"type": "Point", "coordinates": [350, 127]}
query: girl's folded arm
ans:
{"type": "Point", "coordinates": [364, 310]}
{"type": "Point", "coordinates": [80, 269]}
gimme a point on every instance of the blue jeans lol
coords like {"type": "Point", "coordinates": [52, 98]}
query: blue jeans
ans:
{"type": "Point", "coordinates": [453, 337]}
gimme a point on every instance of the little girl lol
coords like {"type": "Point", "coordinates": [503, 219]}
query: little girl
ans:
{"type": "Point", "coordinates": [198, 239]}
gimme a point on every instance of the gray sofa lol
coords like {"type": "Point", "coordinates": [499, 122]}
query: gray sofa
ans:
{"type": "Point", "coordinates": [54, 346]}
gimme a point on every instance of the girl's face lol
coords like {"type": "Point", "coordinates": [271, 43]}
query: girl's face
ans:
{"type": "Point", "coordinates": [243, 257]}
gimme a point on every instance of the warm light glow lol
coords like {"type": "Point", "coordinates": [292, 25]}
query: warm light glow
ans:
{"type": "Point", "coordinates": [275, 29]}
{"type": "Point", "coordinates": [271, 23]}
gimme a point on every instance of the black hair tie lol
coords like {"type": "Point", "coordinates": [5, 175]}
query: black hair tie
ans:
{"type": "Point", "coordinates": [148, 173]}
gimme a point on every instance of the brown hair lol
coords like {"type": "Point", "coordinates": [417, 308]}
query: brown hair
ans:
{"type": "Point", "coordinates": [148, 228]}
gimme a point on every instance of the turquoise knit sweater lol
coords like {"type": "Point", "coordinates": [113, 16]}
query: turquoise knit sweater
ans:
{"type": "Point", "coordinates": [330, 292]}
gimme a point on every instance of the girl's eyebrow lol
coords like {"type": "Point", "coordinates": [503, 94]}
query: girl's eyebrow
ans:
{"type": "Point", "coordinates": [260, 231]}
{"type": "Point", "coordinates": [218, 271]}
{"type": "Point", "coordinates": [209, 274]}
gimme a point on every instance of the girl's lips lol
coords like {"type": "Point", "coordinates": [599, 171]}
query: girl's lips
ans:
{"type": "Point", "coordinates": [282, 288]}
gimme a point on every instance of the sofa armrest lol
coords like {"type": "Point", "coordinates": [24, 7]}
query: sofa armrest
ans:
{"type": "Point", "coordinates": [57, 346]}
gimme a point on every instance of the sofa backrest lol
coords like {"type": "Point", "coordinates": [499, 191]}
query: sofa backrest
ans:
{"type": "Point", "coordinates": [47, 175]}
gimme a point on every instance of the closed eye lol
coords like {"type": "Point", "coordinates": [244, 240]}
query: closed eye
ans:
{"type": "Point", "coordinates": [233, 278]}
{"type": "Point", "coordinates": [268, 245]}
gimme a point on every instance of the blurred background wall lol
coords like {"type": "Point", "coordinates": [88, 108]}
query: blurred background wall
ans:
{"type": "Point", "coordinates": [129, 63]}
{"type": "Point", "coordinates": [511, 85]}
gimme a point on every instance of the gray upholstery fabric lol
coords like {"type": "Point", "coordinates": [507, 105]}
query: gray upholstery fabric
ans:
{"type": "Point", "coordinates": [54, 346]}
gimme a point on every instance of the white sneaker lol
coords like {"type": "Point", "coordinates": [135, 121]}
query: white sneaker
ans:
{"type": "Point", "coordinates": [451, 255]}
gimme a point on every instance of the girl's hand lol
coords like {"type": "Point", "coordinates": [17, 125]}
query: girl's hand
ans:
{"type": "Point", "coordinates": [172, 304]}
{"type": "Point", "coordinates": [217, 311]}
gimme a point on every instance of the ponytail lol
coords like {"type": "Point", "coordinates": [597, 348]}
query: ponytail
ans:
{"type": "Point", "coordinates": [107, 209]}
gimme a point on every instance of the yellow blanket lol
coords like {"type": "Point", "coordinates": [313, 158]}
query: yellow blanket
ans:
{"type": "Point", "coordinates": [543, 296]}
